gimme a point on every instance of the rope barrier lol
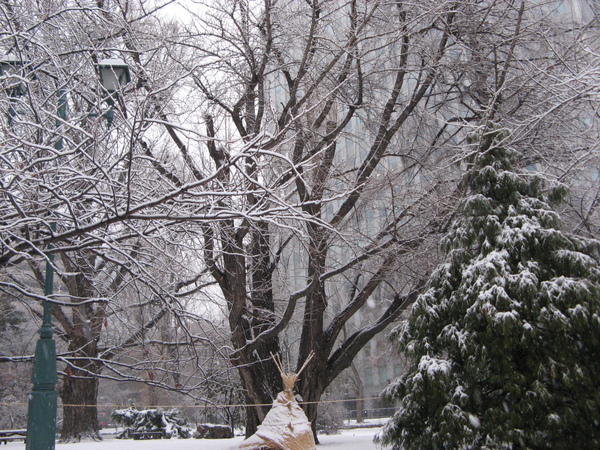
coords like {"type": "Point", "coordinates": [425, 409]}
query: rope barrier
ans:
{"type": "Point", "coordinates": [207, 404]}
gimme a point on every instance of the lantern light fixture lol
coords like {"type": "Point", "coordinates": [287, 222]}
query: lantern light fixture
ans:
{"type": "Point", "coordinates": [12, 66]}
{"type": "Point", "coordinates": [114, 73]}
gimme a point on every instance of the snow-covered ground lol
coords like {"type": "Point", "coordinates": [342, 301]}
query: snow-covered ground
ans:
{"type": "Point", "coordinates": [354, 439]}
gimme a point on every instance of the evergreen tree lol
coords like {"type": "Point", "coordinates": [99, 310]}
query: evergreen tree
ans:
{"type": "Point", "coordinates": [505, 343]}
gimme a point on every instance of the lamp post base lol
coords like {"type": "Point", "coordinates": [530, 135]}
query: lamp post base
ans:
{"type": "Point", "coordinates": [43, 399]}
{"type": "Point", "coordinates": [41, 428]}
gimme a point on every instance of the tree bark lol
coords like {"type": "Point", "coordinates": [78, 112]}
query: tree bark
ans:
{"type": "Point", "coordinates": [312, 390]}
{"type": "Point", "coordinates": [251, 311]}
{"type": "Point", "coordinates": [359, 393]}
{"type": "Point", "coordinates": [79, 395]}
{"type": "Point", "coordinates": [262, 382]}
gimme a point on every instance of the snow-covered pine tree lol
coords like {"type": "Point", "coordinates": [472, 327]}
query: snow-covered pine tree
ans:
{"type": "Point", "coordinates": [505, 343]}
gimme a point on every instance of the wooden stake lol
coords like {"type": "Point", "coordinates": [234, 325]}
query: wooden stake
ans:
{"type": "Point", "coordinates": [289, 379]}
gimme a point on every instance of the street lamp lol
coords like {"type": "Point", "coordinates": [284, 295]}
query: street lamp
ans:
{"type": "Point", "coordinates": [11, 66]}
{"type": "Point", "coordinates": [41, 419]}
{"type": "Point", "coordinates": [113, 73]}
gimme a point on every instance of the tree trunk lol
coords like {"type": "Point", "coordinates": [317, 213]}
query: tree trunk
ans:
{"type": "Point", "coordinates": [262, 382]}
{"type": "Point", "coordinates": [360, 412]}
{"type": "Point", "coordinates": [79, 395]}
{"type": "Point", "coordinates": [311, 392]}
{"type": "Point", "coordinates": [251, 311]}
{"type": "Point", "coordinates": [359, 393]}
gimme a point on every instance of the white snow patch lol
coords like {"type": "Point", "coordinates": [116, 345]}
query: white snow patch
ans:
{"type": "Point", "coordinates": [579, 310]}
{"type": "Point", "coordinates": [353, 439]}
{"type": "Point", "coordinates": [474, 420]}
{"type": "Point", "coordinates": [434, 366]}
{"type": "Point", "coordinates": [554, 419]}
{"type": "Point", "coordinates": [504, 316]}
{"type": "Point", "coordinates": [459, 393]}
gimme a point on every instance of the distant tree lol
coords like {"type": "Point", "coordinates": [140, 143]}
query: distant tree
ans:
{"type": "Point", "coordinates": [14, 375]}
{"type": "Point", "coordinates": [504, 342]}
{"type": "Point", "coordinates": [11, 318]}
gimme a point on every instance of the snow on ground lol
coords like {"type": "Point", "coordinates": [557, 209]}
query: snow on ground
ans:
{"type": "Point", "coordinates": [353, 439]}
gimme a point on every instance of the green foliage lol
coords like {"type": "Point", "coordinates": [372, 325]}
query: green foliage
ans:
{"type": "Point", "coordinates": [504, 343]}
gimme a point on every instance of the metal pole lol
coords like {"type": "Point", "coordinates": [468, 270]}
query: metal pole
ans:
{"type": "Point", "coordinates": [41, 419]}
{"type": "Point", "coordinates": [110, 114]}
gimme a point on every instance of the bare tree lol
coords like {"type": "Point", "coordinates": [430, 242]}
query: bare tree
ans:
{"type": "Point", "coordinates": [285, 84]}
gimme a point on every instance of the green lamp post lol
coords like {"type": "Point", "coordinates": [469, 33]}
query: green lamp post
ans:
{"type": "Point", "coordinates": [43, 399]}
{"type": "Point", "coordinates": [41, 414]}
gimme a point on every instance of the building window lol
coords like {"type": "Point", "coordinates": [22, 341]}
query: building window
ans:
{"type": "Point", "coordinates": [397, 370]}
{"type": "Point", "coordinates": [383, 375]}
